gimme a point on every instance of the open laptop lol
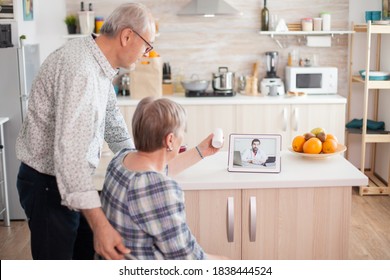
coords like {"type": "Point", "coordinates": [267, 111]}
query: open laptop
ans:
{"type": "Point", "coordinates": [237, 158]}
{"type": "Point", "coordinates": [270, 161]}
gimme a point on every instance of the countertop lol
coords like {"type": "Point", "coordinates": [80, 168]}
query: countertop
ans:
{"type": "Point", "coordinates": [3, 120]}
{"type": "Point", "coordinates": [296, 172]}
{"type": "Point", "coordinates": [240, 99]}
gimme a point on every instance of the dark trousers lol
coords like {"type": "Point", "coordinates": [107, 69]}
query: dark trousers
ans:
{"type": "Point", "coordinates": [57, 233]}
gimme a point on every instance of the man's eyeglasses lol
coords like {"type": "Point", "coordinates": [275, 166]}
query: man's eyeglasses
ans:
{"type": "Point", "coordinates": [149, 46]}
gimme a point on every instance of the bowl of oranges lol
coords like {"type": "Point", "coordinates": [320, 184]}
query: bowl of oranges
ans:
{"type": "Point", "coordinates": [316, 144]}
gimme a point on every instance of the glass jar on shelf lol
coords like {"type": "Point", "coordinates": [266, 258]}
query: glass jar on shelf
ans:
{"type": "Point", "coordinates": [307, 24]}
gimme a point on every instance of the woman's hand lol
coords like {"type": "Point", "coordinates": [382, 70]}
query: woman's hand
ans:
{"type": "Point", "coordinates": [190, 157]}
{"type": "Point", "coordinates": [206, 148]}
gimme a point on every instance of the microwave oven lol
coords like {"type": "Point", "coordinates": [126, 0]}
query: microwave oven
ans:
{"type": "Point", "coordinates": [311, 80]}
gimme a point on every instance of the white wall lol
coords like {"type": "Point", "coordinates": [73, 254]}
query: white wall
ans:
{"type": "Point", "coordinates": [27, 28]}
{"type": "Point", "coordinates": [357, 10]}
{"type": "Point", "coordinates": [47, 28]}
{"type": "Point", "coordinates": [50, 25]}
{"type": "Point", "coordinates": [199, 45]}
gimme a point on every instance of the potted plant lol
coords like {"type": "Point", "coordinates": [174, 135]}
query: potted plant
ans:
{"type": "Point", "coordinates": [22, 39]}
{"type": "Point", "coordinates": [71, 23]}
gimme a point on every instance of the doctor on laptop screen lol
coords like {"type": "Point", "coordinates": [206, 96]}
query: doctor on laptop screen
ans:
{"type": "Point", "coordinates": [254, 155]}
{"type": "Point", "coordinates": [245, 154]}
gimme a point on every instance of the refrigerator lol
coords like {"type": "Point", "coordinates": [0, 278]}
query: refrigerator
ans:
{"type": "Point", "coordinates": [18, 68]}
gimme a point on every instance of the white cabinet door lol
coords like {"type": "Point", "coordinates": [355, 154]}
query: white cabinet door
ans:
{"type": "Point", "coordinates": [214, 218]}
{"type": "Point", "coordinates": [292, 223]}
{"type": "Point", "coordinates": [203, 119]}
{"type": "Point", "coordinates": [264, 119]}
{"type": "Point", "coordinates": [287, 120]}
{"type": "Point", "coordinates": [291, 120]}
{"type": "Point", "coordinates": [127, 112]}
{"type": "Point", "coordinates": [331, 117]}
{"type": "Point", "coordinates": [296, 223]}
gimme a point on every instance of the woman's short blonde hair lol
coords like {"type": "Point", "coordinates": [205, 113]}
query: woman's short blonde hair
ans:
{"type": "Point", "coordinates": [153, 120]}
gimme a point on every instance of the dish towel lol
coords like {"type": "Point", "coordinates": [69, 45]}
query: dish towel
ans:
{"type": "Point", "coordinates": [372, 125]}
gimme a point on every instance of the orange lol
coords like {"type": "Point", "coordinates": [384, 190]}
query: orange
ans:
{"type": "Point", "coordinates": [153, 53]}
{"type": "Point", "coordinates": [331, 136]}
{"type": "Point", "coordinates": [312, 146]}
{"type": "Point", "coordinates": [297, 143]}
{"type": "Point", "coordinates": [329, 146]}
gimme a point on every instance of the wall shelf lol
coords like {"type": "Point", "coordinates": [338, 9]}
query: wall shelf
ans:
{"type": "Point", "coordinates": [274, 34]}
{"type": "Point", "coordinates": [73, 36]}
{"type": "Point", "coordinates": [305, 33]}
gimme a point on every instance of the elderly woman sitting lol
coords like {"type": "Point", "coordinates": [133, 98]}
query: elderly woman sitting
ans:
{"type": "Point", "coordinates": [140, 200]}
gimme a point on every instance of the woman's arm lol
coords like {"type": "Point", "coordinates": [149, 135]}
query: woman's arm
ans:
{"type": "Point", "coordinates": [190, 157]}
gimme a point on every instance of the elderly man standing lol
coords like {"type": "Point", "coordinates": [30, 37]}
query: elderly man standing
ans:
{"type": "Point", "coordinates": [72, 110]}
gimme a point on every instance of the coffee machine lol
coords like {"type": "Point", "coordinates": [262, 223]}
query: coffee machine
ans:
{"type": "Point", "coordinates": [272, 85]}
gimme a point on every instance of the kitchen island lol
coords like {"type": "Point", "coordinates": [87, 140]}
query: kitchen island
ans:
{"type": "Point", "coordinates": [303, 212]}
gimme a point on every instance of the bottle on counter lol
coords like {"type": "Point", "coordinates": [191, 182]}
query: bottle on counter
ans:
{"type": "Point", "coordinates": [264, 17]}
{"type": "Point", "coordinates": [99, 21]}
{"type": "Point", "coordinates": [86, 19]}
{"type": "Point", "coordinates": [90, 7]}
{"type": "Point", "coordinates": [178, 78]}
{"type": "Point", "coordinates": [289, 59]}
{"type": "Point", "coordinates": [125, 85]}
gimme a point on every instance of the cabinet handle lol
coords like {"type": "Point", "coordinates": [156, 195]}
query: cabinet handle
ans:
{"type": "Point", "coordinates": [252, 219]}
{"type": "Point", "coordinates": [230, 225]}
{"type": "Point", "coordinates": [284, 119]}
{"type": "Point", "coordinates": [296, 118]}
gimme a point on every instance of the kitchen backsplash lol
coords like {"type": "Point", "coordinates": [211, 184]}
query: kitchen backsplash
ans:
{"type": "Point", "coordinates": [199, 45]}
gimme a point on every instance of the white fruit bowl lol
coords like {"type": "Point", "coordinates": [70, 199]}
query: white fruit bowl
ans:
{"type": "Point", "coordinates": [340, 149]}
